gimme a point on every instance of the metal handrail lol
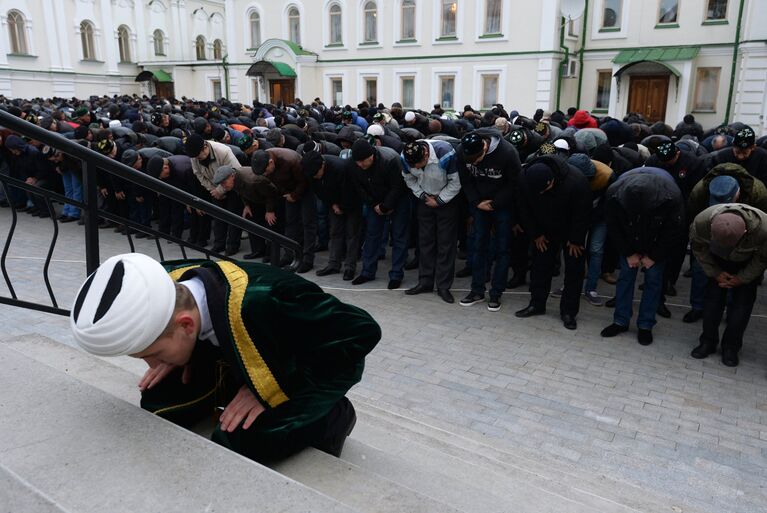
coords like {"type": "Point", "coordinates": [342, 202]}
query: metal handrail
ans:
{"type": "Point", "coordinates": [93, 162]}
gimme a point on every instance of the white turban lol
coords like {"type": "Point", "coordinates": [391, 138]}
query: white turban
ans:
{"type": "Point", "coordinates": [115, 123]}
{"type": "Point", "coordinates": [410, 116]}
{"type": "Point", "coordinates": [124, 306]}
{"type": "Point", "coordinates": [562, 144]}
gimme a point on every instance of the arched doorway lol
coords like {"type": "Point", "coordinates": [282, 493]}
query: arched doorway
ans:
{"type": "Point", "coordinates": [649, 85]}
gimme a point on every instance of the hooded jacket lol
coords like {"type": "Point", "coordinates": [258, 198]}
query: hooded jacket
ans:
{"type": "Point", "coordinates": [562, 213]}
{"type": "Point", "coordinates": [645, 213]}
{"type": "Point", "coordinates": [752, 191]}
{"type": "Point", "coordinates": [750, 252]}
{"type": "Point", "coordinates": [495, 177]}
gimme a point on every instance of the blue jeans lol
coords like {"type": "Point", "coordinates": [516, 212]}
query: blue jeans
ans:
{"type": "Point", "coordinates": [73, 189]}
{"type": "Point", "coordinates": [624, 294]}
{"type": "Point", "coordinates": [597, 237]}
{"type": "Point", "coordinates": [483, 221]}
{"type": "Point", "coordinates": [375, 234]}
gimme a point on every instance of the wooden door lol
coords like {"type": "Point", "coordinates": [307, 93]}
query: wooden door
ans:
{"type": "Point", "coordinates": [282, 90]}
{"type": "Point", "coordinates": [164, 89]}
{"type": "Point", "coordinates": [648, 96]}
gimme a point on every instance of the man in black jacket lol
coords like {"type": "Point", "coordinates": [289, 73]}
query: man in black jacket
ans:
{"type": "Point", "coordinates": [330, 177]}
{"type": "Point", "coordinates": [488, 167]}
{"type": "Point", "coordinates": [745, 153]}
{"type": "Point", "coordinates": [645, 215]}
{"type": "Point", "coordinates": [555, 210]}
{"type": "Point", "coordinates": [378, 179]}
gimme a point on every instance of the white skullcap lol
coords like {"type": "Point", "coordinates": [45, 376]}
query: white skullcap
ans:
{"type": "Point", "coordinates": [410, 116]}
{"type": "Point", "coordinates": [114, 123]}
{"type": "Point", "coordinates": [376, 130]}
{"type": "Point", "coordinates": [124, 306]}
{"type": "Point", "coordinates": [562, 144]}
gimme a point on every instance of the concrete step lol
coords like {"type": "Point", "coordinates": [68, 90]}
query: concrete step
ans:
{"type": "Point", "coordinates": [67, 446]}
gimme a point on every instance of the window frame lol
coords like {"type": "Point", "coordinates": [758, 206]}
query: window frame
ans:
{"type": "Point", "coordinates": [482, 78]}
{"type": "Point", "coordinates": [600, 73]}
{"type": "Point", "coordinates": [486, 18]}
{"type": "Point", "coordinates": [660, 23]}
{"type": "Point", "coordinates": [295, 38]}
{"type": "Point", "coordinates": [441, 20]}
{"type": "Point", "coordinates": [254, 13]}
{"type": "Point", "coordinates": [218, 49]}
{"type": "Point", "coordinates": [332, 41]}
{"type": "Point", "coordinates": [620, 31]}
{"type": "Point", "coordinates": [695, 106]}
{"type": "Point", "coordinates": [18, 35]}
{"type": "Point", "coordinates": [198, 47]}
{"type": "Point", "coordinates": [161, 40]}
{"type": "Point", "coordinates": [124, 45]}
{"type": "Point", "coordinates": [414, 7]}
{"type": "Point", "coordinates": [365, 25]}
{"type": "Point", "coordinates": [716, 21]}
{"type": "Point", "coordinates": [88, 40]}
{"type": "Point", "coordinates": [618, 17]}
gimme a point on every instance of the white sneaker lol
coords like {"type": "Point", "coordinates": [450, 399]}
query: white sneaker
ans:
{"type": "Point", "coordinates": [593, 298]}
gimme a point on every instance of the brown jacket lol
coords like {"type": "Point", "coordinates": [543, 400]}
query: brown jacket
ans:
{"type": "Point", "coordinates": [255, 189]}
{"type": "Point", "coordinates": [287, 176]}
{"type": "Point", "coordinates": [750, 251]}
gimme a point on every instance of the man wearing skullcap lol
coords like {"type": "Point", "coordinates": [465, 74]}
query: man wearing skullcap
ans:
{"type": "Point", "coordinates": [730, 242]}
{"type": "Point", "coordinates": [273, 349]}
{"type": "Point", "coordinates": [430, 170]}
{"type": "Point", "coordinates": [744, 152]}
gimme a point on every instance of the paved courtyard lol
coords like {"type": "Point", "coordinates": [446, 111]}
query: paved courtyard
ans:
{"type": "Point", "coordinates": [652, 416]}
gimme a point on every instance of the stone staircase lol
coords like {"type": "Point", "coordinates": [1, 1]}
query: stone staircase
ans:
{"type": "Point", "coordinates": [74, 440]}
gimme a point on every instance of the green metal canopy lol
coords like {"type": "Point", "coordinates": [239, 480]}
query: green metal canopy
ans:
{"type": "Point", "coordinates": [656, 54]}
{"type": "Point", "coordinates": [261, 67]}
{"type": "Point", "coordinates": [158, 75]}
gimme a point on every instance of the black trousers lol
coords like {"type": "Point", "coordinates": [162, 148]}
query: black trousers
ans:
{"type": "Point", "coordinates": [345, 238]}
{"type": "Point", "coordinates": [676, 257]}
{"type": "Point", "coordinates": [519, 253]}
{"type": "Point", "coordinates": [542, 272]}
{"type": "Point", "coordinates": [224, 234]}
{"type": "Point", "coordinates": [301, 224]}
{"type": "Point", "coordinates": [212, 384]}
{"type": "Point", "coordinates": [437, 238]}
{"type": "Point", "coordinates": [170, 216]}
{"type": "Point", "coordinates": [738, 314]}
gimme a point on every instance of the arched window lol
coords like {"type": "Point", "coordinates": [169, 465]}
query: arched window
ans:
{"type": "Point", "coordinates": [123, 43]}
{"type": "Point", "coordinates": [86, 38]}
{"type": "Point", "coordinates": [218, 49]}
{"type": "Point", "coordinates": [294, 25]}
{"type": "Point", "coordinates": [199, 46]}
{"type": "Point", "coordinates": [159, 42]}
{"type": "Point", "coordinates": [255, 30]}
{"type": "Point", "coordinates": [17, 32]}
{"type": "Point", "coordinates": [336, 25]}
{"type": "Point", "coordinates": [408, 20]}
{"type": "Point", "coordinates": [371, 22]}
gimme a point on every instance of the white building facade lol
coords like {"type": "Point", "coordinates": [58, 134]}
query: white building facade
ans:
{"type": "Point", "coordinates": [663, 58]}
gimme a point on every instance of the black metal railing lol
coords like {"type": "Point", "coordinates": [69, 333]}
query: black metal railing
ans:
{"type": "Point", "coordinates": [92, 163]}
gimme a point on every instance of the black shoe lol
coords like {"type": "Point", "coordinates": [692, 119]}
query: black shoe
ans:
{"type": "Point", "coordinates": [217, 249]}
{"type": "Point", "coordinates": [419, 289]}
{"type": "Point", "coordinates": [529, 311]}
{"type": "Point", "coordinates": [141, 235]}
{"type": "Point", "coordinates": [610, 303]}
{"type": "Point", "coordinates": [613, 330]}
{"type": "Point", "coordinates": [702, 351]}
{"type": "Point", "coordinates": [327, 271]}
{"type": "Point", "coordinates": [348, 275]}
{"type": "Point", "coordinates": [471, 299]}
{"type": "Point", "coordinates": [494, 304]}
{"type": "Point", "coordinates": [202, 243]}
{"type": "Point", "coordinates": [516, 281]}
{"type": "Point", "coordinates": [253, 256]}
{"type": "Point", "coordinates": [285, 261]}
{"type": "Point", "coordinates": [644, 337]}
{"type": "Point", "coordinates": [359, 280]}
{"type": "Point", "coordinates": [463, 273]}
{"type": "Point", "coordinates": [693, 316]}
{"type": "Point", "coordinates": [343, 420]}
{"type": "Point", "coordinates": [121, 229]}
{"type": "Point", "coordinates": [3, 204]}
{"type": "Point", "coordinates": [688, 273]}
{"type": "Point", "coordinates": [394, 284]}
{"type": "Point", "coordinates": [81, 221]}
{"type": "Point", "coordinates": [663, 311]}
{"type": "Point", "coordinates": [382, 257]}
{"type": "Point", "coordinates": [305, 267]}
{"type": "Point", "coordinates": [322, 247]}
{"type": "Point", "coordinates": [730, 358]}
{"type": "Point", "coordinates": [569, 321]}
{"type": "Point", "coordinates": [670, 290]}
{"type": "Point", "coordinates": [412, 264]}
{"type": "Point", "coordinates": [446, 296]}
{"type": "Point", "coordinates": [61, 218]}
{"type": "Point", "coordinates": [231, 251]}
{"type": "Point", "coordinates": [68, 219]}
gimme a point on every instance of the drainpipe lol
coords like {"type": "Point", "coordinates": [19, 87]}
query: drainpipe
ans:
{"type": "Point", "coordinates": [580, 56]}
{"type": "Point", "coordinates": [564, 59]}
{"type": "Point", "coordinates": [735, 49]}
{"type": "Point", "coordinates": [226, 74]}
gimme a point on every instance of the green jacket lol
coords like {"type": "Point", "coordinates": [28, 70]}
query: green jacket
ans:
{"type": "Point", "coordinates": [751, 249]}
{"type": "Point", "coordinates": [297, 348]}
{"type": "Point", "coordinates": [752, 191]}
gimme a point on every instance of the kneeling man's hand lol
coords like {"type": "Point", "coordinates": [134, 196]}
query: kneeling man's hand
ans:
{"type": "Point", "coordinates": [244, 406]}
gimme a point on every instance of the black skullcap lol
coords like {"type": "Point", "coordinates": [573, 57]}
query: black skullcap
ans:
{"type": "Point", "coordinates": [81, 132]}
{"type": "Point", "coordinates": [745, 138]}
{"type": "Point", "coordinates": [194, 145]}
{"type": "Point", "coordinates": [273, 136]}
{"type": "Point", "coordinates": [154, 166]}
{"type": "Point", "coordinates": [666, 151]}
{"type": "Point", "coordinates": [245, 142]}
{"type": "Point", "coordinates": [105, 146]}
{"type": "Point", "coordinates": [218, 133]}
{"type": "Point", "coordinates": [259, 161]}
{"type": "Point", "coordinates": [46, 122]}
{"type": "Point", "coordinates": [311, 163]}
{"type": "Point", "coordinates": [472, 144]}
{"type": "Point", "coordinates": [129, 157]}
{"type": "Point", "coordinates": [361, 149]}
{"type": "Point", "coordinates": [414, 152]}
{"type": "Point", "coordinates": [537, 177]}
{"type": "Point", "coordinates": [517, 137]}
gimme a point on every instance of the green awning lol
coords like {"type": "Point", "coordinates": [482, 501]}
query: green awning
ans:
{"type": "Point", "coordinates": [656, 55]}
{"type": "Point", "coordinates": [158, 75]}
{"type": "Point", "coordinates": [261, 67]}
